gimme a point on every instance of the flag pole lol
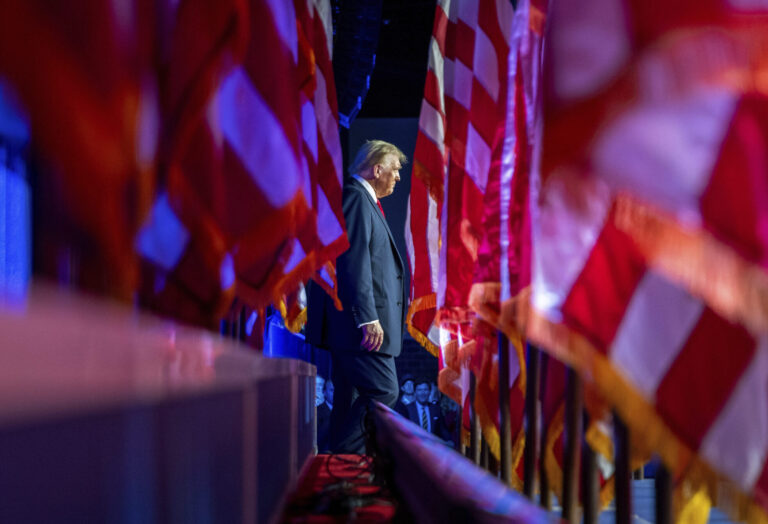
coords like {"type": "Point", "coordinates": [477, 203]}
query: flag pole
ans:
{"type": "Point", "coordinates": [532, 420]}
{"type": "Point", "coordinates": [474, 423]}
{"type": "Point", "coordinates": [663, 488]}
{"type": "Point", "coordinates": [573, 411]}
{"type": "Point", "coordinates": [544, 495]}
{"type": "Point", "coordinates": [506, 423]}
{"type": "Point", "coordinates": [505, 434]}
{"type": "Point", "coordinates": [623, 473]}
{"type": "Point", "coordinates": [589, 482]}
{"type": "Point", "coordinates": [241, 324]}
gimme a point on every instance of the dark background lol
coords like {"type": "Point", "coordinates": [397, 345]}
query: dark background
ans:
{"type": "Point", "coordinates": [397, 82]}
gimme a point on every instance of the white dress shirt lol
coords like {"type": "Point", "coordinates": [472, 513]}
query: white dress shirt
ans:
{"type": "Point", "coordinates": [423, 407]}
{"type": "Point", "coordinates": [368, 187]}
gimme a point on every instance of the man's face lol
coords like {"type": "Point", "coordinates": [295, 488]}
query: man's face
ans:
{"type": "Point", "coordinates": [387, 175]}
{"type": "Point", "coordinates": [434, 395]}
{"type": "Point", "coordinates": [422, 393]}
{"type": "Point", "coordinates": [319, 387]}
{"type": "Point", "coordinates": [408, 387]}
{"type": "Point", "coordinates": [329, 392]}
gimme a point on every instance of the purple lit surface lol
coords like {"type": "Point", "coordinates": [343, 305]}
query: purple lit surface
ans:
{"type": "Point", "coordinates": [63, 352]}
{"type": "Point", "coordinates": [108, 415]}
{"type": "Point", "coordinates": [471, 489]}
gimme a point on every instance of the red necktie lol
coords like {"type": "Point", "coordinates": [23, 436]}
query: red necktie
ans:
{"type": "Point", "coordinates": [378, 203]}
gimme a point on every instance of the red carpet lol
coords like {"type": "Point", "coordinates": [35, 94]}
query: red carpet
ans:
{"type": "Point", "coordinates": [339, 488]}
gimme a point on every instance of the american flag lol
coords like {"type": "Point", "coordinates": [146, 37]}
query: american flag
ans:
{"type": "Point", "coordinates": [196, 165]}
{"type": "Point", "coordinates": [85, 76]}
{"type": "Point", "coordinates": [458, 153]}
{"type": "Point", "coordinates": [256, 194]}
{"type": "Point", "coordinates": [649, 268]}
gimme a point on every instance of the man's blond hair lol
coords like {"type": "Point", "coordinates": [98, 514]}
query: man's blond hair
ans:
{"type": "Point", "coordinates": [372, 153]}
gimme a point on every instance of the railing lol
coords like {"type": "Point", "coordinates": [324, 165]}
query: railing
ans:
{"type": "Point", "coordinates": [579, 461]}
{"type": "Point", "coordinates": [436, 483]}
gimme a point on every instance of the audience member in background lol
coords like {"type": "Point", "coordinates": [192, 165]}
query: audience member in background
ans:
{"type": "Point", "coordinates": [452, 418]}
{"type": "Point", "coordinates": [324, 418]}
{"type": "Point", "coordinates": [319, 389]}
{"type": "Point", "coordinates": [328, 393]}
{"type": "Point", "coordinates": [434, 394]}
{"type": "Point", "coordinates": [406, 395]}
{"type": "Point", "coordinates": [427, 415]}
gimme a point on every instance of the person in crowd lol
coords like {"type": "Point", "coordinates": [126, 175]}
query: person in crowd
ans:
{"type": "Point", "coordinates": [324, 411]}
{"type": "Point", "coordinates": [452, 418]}
{"type": "Point", "coordinates": [319, 390]}
{"type": "Point", "coordinates": [434, 394]}
{"type": "Point", "coordinates": [427, 415]}
{"type": "Point", "coordinates": [406, 395]}
{"type": "Point", "coordinates": [367, 334]}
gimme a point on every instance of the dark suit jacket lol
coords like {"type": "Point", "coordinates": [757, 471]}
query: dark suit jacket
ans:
{"type": "Point", "coordinates": [401, 407]}
{"type": "Point", "coordinates": [370, 282]}
{"type": "Point", "coordinates": [437, 424]}
{"type": "Point", "coordinates": [323, 427]}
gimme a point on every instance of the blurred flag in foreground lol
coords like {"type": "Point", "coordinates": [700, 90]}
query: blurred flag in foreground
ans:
{"type": "Point", "coordinates": [195, 165]}
{"type": "Point", "coordinates": [259, 186]}
{"type": "Point", "coordinates": [85, 75]}
{"type": "Point", "coordinates": [649, 269]}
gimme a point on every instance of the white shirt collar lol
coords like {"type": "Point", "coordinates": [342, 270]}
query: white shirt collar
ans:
{"type": "Point", "coordinates": [367, 185]}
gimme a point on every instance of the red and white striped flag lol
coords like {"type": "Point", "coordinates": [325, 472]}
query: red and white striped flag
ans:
{"type": "Point", "coordinates": [86, 77]}
{"type": "Point", "coordinates": [179, 243]}
{"type": "Point", "coordinates": [503, 272]}
{"type": "Point", "coordinates": [458, 154]}
{"type": "Point", "coordinates": [460, 129]}
{"type": "Point", "coordinates": [422, 232]}
{"type": "Point", "coordinates": [256, 193]}
{"type": "Point", "coordinates": [670, 114]}
{"type": "Point", "coordinates": [320, 127]}
{"type": "Point", "coordinates": [198, 165]}
{"type": "Point", "coordinates": [649, 272]}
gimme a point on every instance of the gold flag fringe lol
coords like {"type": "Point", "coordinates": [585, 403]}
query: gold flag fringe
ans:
{"type": "Point", "coordinates": [421, 304]}
{"type": "Point", "coordinates": [695, 260]}
{"type": "Point", "coordinates": [293, 318]}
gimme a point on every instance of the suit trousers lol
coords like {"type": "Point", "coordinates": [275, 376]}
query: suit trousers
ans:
{"type": "Point", "coordinates": [359, 378]}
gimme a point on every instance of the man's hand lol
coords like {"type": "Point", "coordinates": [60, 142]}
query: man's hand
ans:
{"type": "Point", "coordinates": [373, 336]}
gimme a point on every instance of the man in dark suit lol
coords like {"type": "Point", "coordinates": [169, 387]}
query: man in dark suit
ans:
{"type": "Point", "coordinates": [367, 334]}
{"type": "Point", "coordinates": [406, 395]}
{"type": "Point", "coordinates": [427, 415]}
{"type": "Point", "coordinates": [324, 410]}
